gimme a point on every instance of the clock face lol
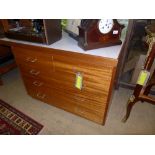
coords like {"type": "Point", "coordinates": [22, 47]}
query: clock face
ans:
{"type": "Point", "coordinates": [105, 25]}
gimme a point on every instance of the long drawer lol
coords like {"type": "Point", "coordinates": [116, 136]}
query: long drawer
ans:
{"type": "Point", "coordinates": [45, 73]}
{"type": "Point", "coordinates": [84, 108]}
{"type": "Point", "coordinates": [94, 77]}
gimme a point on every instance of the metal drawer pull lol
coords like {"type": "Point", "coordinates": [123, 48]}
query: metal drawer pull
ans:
{"type": "Point", "coordinates": [34, 72]}
{"type": "Point", "coordinates": [36, 83]}
{"type": "Point", "coordinates": [42, 96]}
{"type": "Point", "coordinates": [31, 59]}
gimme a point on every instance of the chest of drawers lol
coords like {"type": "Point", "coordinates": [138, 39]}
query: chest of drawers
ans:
{"type": "Point", "coordinates": [50, 74]}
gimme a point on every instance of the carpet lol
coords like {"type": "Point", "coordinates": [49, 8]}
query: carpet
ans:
{"type": "Point", "coordinates": [14, 122]}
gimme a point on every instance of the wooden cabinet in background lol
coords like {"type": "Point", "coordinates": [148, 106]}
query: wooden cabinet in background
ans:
{"type": "Point", "coordinates": [50, 74]}
{"type": "Point", "coordinates": [45, 31]}
{"type": "Point", "coordinates": [5, 56]}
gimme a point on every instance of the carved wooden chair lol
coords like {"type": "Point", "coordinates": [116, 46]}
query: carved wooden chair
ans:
{"type": "Point", "coordinates": [145, 82]}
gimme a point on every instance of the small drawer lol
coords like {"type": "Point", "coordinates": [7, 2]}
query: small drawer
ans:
{"type": "Point", "coordinates": [33, 58]}
{"type": "Point", "coordinates": [40, 94]}
{"type": "Point", "coordinates": [41, 73]}
{"type": "Point", "coordinates": [34, 83]}
{"type": "Point", "coordinates": [38, 90]}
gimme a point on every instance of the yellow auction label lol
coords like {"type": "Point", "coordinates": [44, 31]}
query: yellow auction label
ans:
{"type": "Point", "coordinates": [143, 77]}
{"type": "Point", "coordinates": [79, 80]}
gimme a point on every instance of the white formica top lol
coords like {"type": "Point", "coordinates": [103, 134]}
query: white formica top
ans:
{"type": "Point", "coordinates": [69, 44]}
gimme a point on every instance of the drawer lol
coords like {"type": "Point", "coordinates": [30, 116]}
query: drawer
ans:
{"type": "Point", "coordinates": [40, 94]}
{"type": "Point", "coordinates": [80, 100]}
{"type": "Point", "coordinates": [91, 83]}
{"type": "Point", "coordinates": [33, 82]}
{"type": "Point", "coordinates": [96, 79]}
{"type": "Point", "coordinates": [94, 95]}
{"type": "Point", "coordinates": [25, 56]}
{"type": "Point", "coordinates": [38, 90]}
{"type": "Point", "coordinates": [83, 108]}
{"type": "Point", "coordinates": [35, 72]}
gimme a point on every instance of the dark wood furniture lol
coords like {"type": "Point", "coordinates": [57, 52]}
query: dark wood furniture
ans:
{"type": "Point", "coordinates": [123, 54]}
{"type": "Point", "coordinates": [49, 75]}
{"type": "Point", "coordinates": [5, 55]}
{"type": "Point", "coordinates": [126, 52]}
{"type": "Point", "coordinates": [145, 81]}
{"type": "Point", "coordinates": [45, 31]}
{"type": "Point", "coordinates": [90, 36]}
{"type": "Point", "coordinates": [1, 30]}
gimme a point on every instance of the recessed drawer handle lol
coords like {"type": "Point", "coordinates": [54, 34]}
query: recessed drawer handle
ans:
{"type": "Point", "coordinates": [34, 72]}
{"type": "Point", "coordinates": [79, 99]}
{"type": "Point", "coordinates": [42, 96]}
{"type": "Point", "coordinates": [31, 59]}
{"type": "Point", "coordinates": [36, 83]}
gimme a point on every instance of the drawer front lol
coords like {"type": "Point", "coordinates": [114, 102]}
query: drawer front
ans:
{"type": "Point", "coordinates": [96, 81]}
{"type": "Point", "coordinates": [35, 72]}
{"type": "Point", "coordinates": [33, 58]}
{"type": "Point", "coordinates": [38, 89]}
{"type": "Point", "coordinates": [83, 108]}
{"type": "Point", "coordinates": [40, 94]}
{"type": "Point", "coordinates": [81, 101]}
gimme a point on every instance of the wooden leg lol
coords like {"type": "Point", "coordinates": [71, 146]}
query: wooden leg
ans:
{"type": "Point", "coordinates": [130, 104]}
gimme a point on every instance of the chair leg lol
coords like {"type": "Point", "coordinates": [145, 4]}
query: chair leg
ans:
{"type": "Point", "coordinates": [128, 109]}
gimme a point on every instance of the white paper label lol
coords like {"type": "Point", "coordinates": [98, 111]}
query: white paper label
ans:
{"type": "Point", "coordinates": [115, 31]}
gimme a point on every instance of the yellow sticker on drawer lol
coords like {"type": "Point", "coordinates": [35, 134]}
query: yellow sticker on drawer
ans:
{"type": "Point", "coordinates": [79, 80]}
{"type": "Point", "coordinates": [143, 77]}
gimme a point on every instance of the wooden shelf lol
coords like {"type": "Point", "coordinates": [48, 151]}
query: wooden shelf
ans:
{"type": "Point", "coordinates": [49, 32]}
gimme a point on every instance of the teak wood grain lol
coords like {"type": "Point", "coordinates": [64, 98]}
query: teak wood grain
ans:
{"type": "Point", "coordinates": [55, 83]}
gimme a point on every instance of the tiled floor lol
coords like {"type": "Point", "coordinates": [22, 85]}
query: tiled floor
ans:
{"type": "Point", "coordinates": [57, 121]}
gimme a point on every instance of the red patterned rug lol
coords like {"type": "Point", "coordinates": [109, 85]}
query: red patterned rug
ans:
{"type": "Point", "coordinates": [14, 122]}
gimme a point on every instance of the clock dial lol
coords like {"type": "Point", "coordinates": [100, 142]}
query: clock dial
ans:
{"type": "Point", "coordinates": [105, 25]}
